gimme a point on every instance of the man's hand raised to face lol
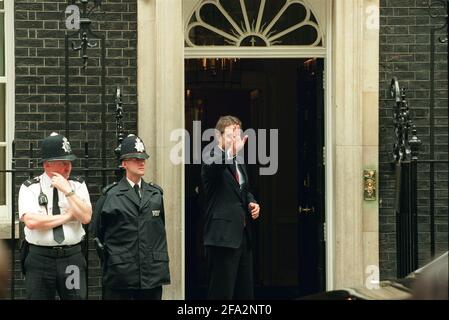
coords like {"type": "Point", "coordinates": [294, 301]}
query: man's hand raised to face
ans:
{"type": "Point", "coordinates": [233, 140]}
{"type": "Point", "coordinates": [238, 143]}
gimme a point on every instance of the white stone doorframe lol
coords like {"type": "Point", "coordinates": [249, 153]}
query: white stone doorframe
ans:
{"type": "Point", "coordinates": [351, 128]}
{"type": "Point", "coordinates": [355, 56]}
{"type": "Point", "coordinates": [160, 88]}
{"type": "Point", "coordinates": [297, 52]}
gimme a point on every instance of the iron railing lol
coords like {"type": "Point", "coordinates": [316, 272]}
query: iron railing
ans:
{"type": "Point", "coordinates": [405, 157]}
{"type": "Point", "coordinates": [406, 160]}
{"type": "Point", "coordinates": [410, 169]}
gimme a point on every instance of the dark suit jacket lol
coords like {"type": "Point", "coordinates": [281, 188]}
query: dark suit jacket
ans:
{"type": "Point", "coordinates": [225, 202]}
{"type": "Point", "coordinates": [132, 231]}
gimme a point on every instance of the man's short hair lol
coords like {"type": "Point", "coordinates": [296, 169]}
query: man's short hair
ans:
{"type": "Point", "coordinates": [226, 121]}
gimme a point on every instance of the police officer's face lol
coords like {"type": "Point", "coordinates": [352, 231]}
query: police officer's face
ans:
{"type": "Point", "coordinates": [134, 166]}
{"type": "Point", "coordinates": [59, 166]}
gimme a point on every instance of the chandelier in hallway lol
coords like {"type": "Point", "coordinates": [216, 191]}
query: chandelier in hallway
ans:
{"type": "Point", "coordinates": [221, 72]}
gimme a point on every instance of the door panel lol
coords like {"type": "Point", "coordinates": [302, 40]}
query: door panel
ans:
{"type": "Point", "coordinates": [311, 178]}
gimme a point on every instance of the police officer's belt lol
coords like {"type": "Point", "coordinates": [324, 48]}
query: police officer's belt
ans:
{"type": "Point", "coordinates": [55, 251]}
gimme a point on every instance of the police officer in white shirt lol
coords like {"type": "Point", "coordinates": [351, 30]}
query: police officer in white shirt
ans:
{"type": "Point", "coordinates": [53, 207]}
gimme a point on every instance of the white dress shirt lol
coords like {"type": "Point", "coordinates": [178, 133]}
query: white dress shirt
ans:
{"type": "Point", "coordinates": [228, 154]}
{"type": "Point", "coordinates": [28, 203]}
{"type": "Point", "coordinates": [138, 183]}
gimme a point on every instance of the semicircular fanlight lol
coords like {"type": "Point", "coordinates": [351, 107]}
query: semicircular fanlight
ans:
{"type": "Point", "coordinates": [246, 23]}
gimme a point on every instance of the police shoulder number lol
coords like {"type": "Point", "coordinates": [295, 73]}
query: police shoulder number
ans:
{"type": "Point", "coordinates": [29, 182]}
{"type": "Point", "coordinates": [157, 187]}
{"type": "Point", "coordinates": [108, 187]}
{"type": "Point", "coordinates": [77, 179]}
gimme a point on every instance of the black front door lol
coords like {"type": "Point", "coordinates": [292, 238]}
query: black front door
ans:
{"type": "Point", "coordinates": [285, 95]}
{"type": "Point", "coordinates": [311, 272]}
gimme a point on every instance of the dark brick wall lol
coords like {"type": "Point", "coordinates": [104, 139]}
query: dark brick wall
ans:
{"type": "Point", "coordinates": [40, 86]}
{"type": "Point", "coordinates": [405, 53]}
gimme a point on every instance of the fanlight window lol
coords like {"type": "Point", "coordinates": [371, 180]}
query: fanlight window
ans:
{"type": "Point", "coordinates": [253, 23]}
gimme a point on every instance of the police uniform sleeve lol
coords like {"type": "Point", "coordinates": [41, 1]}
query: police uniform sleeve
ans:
{"type": "Point", "coordinates": [95, 225]}
{"type": "Point", "coordinates": [161, 191]}
{"type": "Point", "coordinates": [96, 222]}
{"type": "Point", "coordinates": [80, 188]}
{"type": "Point", "coordinates": [96, 228]}
{"type": "Point", "coordinates": [27, 201]}
{"type": "Point", "coordinates": [162, 210]}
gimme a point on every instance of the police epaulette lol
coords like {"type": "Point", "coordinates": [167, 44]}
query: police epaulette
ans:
{"type": "Point", "coordinates": [108, 187]}
{"type": "Point", "coordinates": [157, 187]}
{"type": "Point", "coordinates": [77, 178]}
{"type": "Point", "coordinates": [29, 182]}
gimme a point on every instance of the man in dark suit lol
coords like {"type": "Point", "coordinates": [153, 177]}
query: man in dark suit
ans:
{"type": "Point", "coordinates": [229, 211]}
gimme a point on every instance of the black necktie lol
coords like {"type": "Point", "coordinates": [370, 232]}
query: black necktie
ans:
{"type": "Point", "coordinates": [58, 232]}
{"type": "Point", "coordinates": [137, 189]}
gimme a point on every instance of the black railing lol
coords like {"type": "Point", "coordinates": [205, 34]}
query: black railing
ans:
{"type": "Point", "coordinates": [406, 161]}
{"type": "Point", "coordinates": [411, 171]}
{"type": "Point", "coordinates": [405, 157]}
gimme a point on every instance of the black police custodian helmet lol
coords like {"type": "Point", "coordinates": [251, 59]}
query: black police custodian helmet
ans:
{"type": "Point", "coordinates": [133, 147]}
{"type": "Point", "coordinates": [56, 147]}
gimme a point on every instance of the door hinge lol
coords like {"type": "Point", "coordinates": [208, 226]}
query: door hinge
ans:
{"type": "Point", "coordinates": [324, 232]}
{"type": "Point", "coordinates": [324, 79]}
{"type": "Point", "coordinates": [324, 156]}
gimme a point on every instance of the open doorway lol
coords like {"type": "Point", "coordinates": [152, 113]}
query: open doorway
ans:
{"type": "Point", "coordinates": [286, 95]}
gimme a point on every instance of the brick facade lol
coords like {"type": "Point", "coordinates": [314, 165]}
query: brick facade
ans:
{"type": "Point", "coordinates": [40, 87]}
{"type": "Point", "coordinates": [405, 53]}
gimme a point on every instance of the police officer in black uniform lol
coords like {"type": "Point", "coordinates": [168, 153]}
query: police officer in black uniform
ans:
{"type": "Point", "coordinates": [129, 227]}
{"type": "Point", "coordinates": [53, 207]}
